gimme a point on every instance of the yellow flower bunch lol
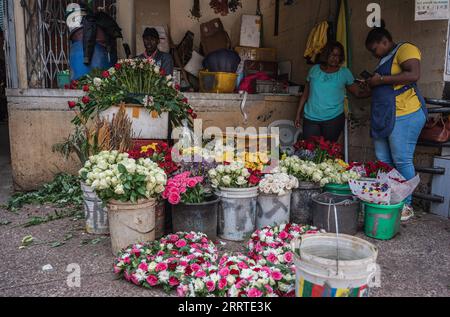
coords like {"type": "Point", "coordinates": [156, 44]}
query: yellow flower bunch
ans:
{"type": "Point", "coordinates": [343, 164]}
{"type": "Point", "coordinates": [146, 148]}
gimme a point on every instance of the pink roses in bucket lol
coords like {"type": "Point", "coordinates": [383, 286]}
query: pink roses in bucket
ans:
{"type": "Point", "coordinates": [183, 188]}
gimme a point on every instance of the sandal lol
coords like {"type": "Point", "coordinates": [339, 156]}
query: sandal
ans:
{"type": "Point", "coordinates": [407, 213]}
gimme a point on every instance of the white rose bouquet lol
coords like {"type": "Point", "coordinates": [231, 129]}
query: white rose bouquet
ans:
{"type": "Point", "coordinates": [234, 175]}
{"type": "Point", "coordinates": [115, 176]}
{"type": "Point", "coordinates": [304, 171]}
{"type": "Point", "coordinates": [278, 184]}
{"type": "Point", "coordinates": [324, 173]}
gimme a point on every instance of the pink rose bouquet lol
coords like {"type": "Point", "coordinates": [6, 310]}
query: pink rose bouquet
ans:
{"type": "Point", "coordinates": [183, 188]}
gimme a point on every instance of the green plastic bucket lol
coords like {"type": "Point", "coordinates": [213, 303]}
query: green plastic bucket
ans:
{"type": "Point", "coordinates": [382, 222]}
{"type": "Point", "coordinates": [339, 189]}
{"type": "Point", "coordinates": [63, 78]}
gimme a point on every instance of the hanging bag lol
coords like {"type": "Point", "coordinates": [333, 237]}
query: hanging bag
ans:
{"type": "Point", "coordinates": [436, 131]}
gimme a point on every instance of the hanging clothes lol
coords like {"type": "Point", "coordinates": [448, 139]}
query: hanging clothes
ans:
{"type": "Point", "coordinates": [317, 40]}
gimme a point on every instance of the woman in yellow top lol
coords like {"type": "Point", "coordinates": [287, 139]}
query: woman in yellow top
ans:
{"type": "Point", "coordinates": [398, 109]}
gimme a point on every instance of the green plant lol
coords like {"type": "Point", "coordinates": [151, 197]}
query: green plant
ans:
{"type": "Point", "coordinates": [76, 143]}
{"type": "Point", "coordinates": [101, 136]}
{"type": "Point", "coordinates": [115, 176]}
{"type": "Point", "coordinates": [65, 190]}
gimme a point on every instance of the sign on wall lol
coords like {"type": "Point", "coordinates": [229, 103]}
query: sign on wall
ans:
{"type": "Point", "coordinates": [432, 10]}
{"type": "Point", "coordinates": [447, 59]}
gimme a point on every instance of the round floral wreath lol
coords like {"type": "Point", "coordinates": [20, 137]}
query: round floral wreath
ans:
{"type": "Point", "coordinates": [166, 262]}
{"type": "Point", "coordinates": [188, 263]}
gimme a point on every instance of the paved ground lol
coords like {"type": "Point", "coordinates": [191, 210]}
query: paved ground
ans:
{"type": "Point", "coordinates": [415, 263]}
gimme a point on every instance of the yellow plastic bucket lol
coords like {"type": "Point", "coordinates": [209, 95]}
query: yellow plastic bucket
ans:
{"type": "Point", "coordinates": [219, 83]}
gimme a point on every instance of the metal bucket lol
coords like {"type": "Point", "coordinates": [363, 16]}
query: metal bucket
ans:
{"type": "Point", "coordinates": [348, 210]}
{"type": "Point", "coordinates": [96, 214]}
{"type": "Point", "coordinates": [197, 217]}
{"type": "Point", "coordinates": [131, 223]}
{"type": "Point", "coordinates": [301, 202]}
{"type": "Point", "coordinates": [237, 213]}
{"type": "Point", "coordinates": [331, 266]}
{"type": "Point", "coordinates": [273, 210]}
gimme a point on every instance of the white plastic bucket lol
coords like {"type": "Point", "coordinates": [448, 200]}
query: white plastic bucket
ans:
{"type": "Point", "coordinates": [237, 213]}
{"type": "Point", "coordinates": [131, 223]}
{"type": "Point", "coordinates": [319, 274]}
{"type": "Point", "coordinates": [96, 214]}
{"type": "Point", "coordinates": [273, 210]}
{"type": "Point", "coordinates": [144, 125]}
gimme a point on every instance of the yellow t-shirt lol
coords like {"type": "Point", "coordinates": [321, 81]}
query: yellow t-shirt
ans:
{"type": "Point", "coordinates": [407, 102]}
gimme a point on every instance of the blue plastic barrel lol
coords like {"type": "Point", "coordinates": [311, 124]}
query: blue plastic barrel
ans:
{"type": "Point", "coordinates": [101, 59]}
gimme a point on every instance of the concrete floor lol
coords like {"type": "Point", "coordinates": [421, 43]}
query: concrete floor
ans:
{"type": "Point", "coordinates": [416, 263]}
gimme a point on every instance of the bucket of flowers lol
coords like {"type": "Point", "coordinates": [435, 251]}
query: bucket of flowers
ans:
{"type": "Point", "coordinates": [309, 177]}
{"type": "Point", "coordinates": [150, 95]}
{"type": "Point", "coordinates": [318, 150]}
{"type": "Point", "coordinates": [274, 201]}
{"type": "Point", "coordinates": [336, 177]}
{"type": "Point", "coordinates": [370, 170]}
{"type": "Point", "coordinates": [193, 207]}
{"type": "Point", "coordinates": [161, 154]}
{"type": "Point", "coordinates": [238, 188]}
{"type": "Point", "coordinates": [130, 188]}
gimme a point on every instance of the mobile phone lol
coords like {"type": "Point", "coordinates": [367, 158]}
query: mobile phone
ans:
{"type": "Point", "coordinates": [366, 75]}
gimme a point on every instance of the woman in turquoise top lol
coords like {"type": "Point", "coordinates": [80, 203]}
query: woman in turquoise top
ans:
{"type": "Point", "coordinates": [322, 104]}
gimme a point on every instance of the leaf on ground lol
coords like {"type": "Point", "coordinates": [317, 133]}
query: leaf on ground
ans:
{"type": "Point", "coordinates": [92, 241]}
{"type": "Point", "coordinates": [4, 222]}
{"type": "Point", "coordinates": [56, 244]}
{"type": "Point", "coordinates": [68, 237]}
{"type": "Point", "coordinates": [27, 240]}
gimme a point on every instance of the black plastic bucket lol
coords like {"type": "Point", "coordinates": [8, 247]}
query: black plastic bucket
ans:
{"type": "Point", "coordinates": [348, 210]}
{"type": "Point", "coordinates": [197, 217]}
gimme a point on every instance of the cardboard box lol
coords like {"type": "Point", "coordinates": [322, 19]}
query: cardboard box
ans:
{"type": "Point", "coordinates": [251, 31]}
{"type": "Point", "coordinates": [257, 54]}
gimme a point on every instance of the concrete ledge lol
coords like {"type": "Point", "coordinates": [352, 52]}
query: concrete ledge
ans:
{"type": "Point", "coordinates": [40, 118]}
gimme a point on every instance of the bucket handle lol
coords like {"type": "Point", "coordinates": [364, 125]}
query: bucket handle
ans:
{"type": "Point", "coordinates": [374, 279]}
{"type": "Point", "coordinates": [295, 245]}
{"type": "Point", "coordinates": [337, 232]}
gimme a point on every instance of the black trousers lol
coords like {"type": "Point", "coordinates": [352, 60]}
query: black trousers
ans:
{"type": "Point", "coordinates": [331, 130]}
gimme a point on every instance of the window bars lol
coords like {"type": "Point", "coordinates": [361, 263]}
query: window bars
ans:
{"type": "Point", "coordinates": [47, 38]}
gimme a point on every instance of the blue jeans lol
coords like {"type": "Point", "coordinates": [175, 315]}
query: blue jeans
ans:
{"type": "Point", "coordinates": [398, 150]}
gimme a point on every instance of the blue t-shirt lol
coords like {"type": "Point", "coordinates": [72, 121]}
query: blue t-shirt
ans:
{"type": "Point", "coordinates": [327, 93]}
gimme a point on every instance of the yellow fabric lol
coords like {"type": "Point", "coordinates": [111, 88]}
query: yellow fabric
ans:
{"type": "Point", "coordinates": [317, 40]}
{"type": "Point", "coordinates": [341, 34]}
{"type": "Point", "coordinates": [341, 37]}
{"type": "Point", "coordinates": [407, 102]}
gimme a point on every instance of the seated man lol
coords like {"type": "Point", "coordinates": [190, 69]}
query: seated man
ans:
{"type": "Point", "coordinates": [151, 42]}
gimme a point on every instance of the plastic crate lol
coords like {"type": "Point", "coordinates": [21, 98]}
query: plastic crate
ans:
{"type": "Point", "coordinates": [220, 83]}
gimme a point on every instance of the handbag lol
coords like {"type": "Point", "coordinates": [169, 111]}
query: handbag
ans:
{"type": "Point", "coordinates": [436, 131]}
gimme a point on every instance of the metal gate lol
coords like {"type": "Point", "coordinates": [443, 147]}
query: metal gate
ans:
{"type": "Point", "coordinates": [47, 38]}
{"type": "Point", "coordinates": [9, 35]}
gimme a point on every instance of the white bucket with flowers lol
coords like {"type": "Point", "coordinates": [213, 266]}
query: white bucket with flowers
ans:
{"type": "Point", "coordinates": [238, 190]}
{"type": "Point", "coordinates": [130, 189]}
{"type": "Point", "coordinates": [151, 97]}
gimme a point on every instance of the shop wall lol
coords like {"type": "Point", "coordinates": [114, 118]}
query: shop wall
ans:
{"type": "Point", "coordinates": [295, 23]}
{"type": "Point", "coordinates": [38, 119]}
{"type": "Point", "coordinates": [181, 21]}
{"type": "Point", "coordinates": [175, 14]}
{"type": "Point", "coordinates": [150, 13]}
